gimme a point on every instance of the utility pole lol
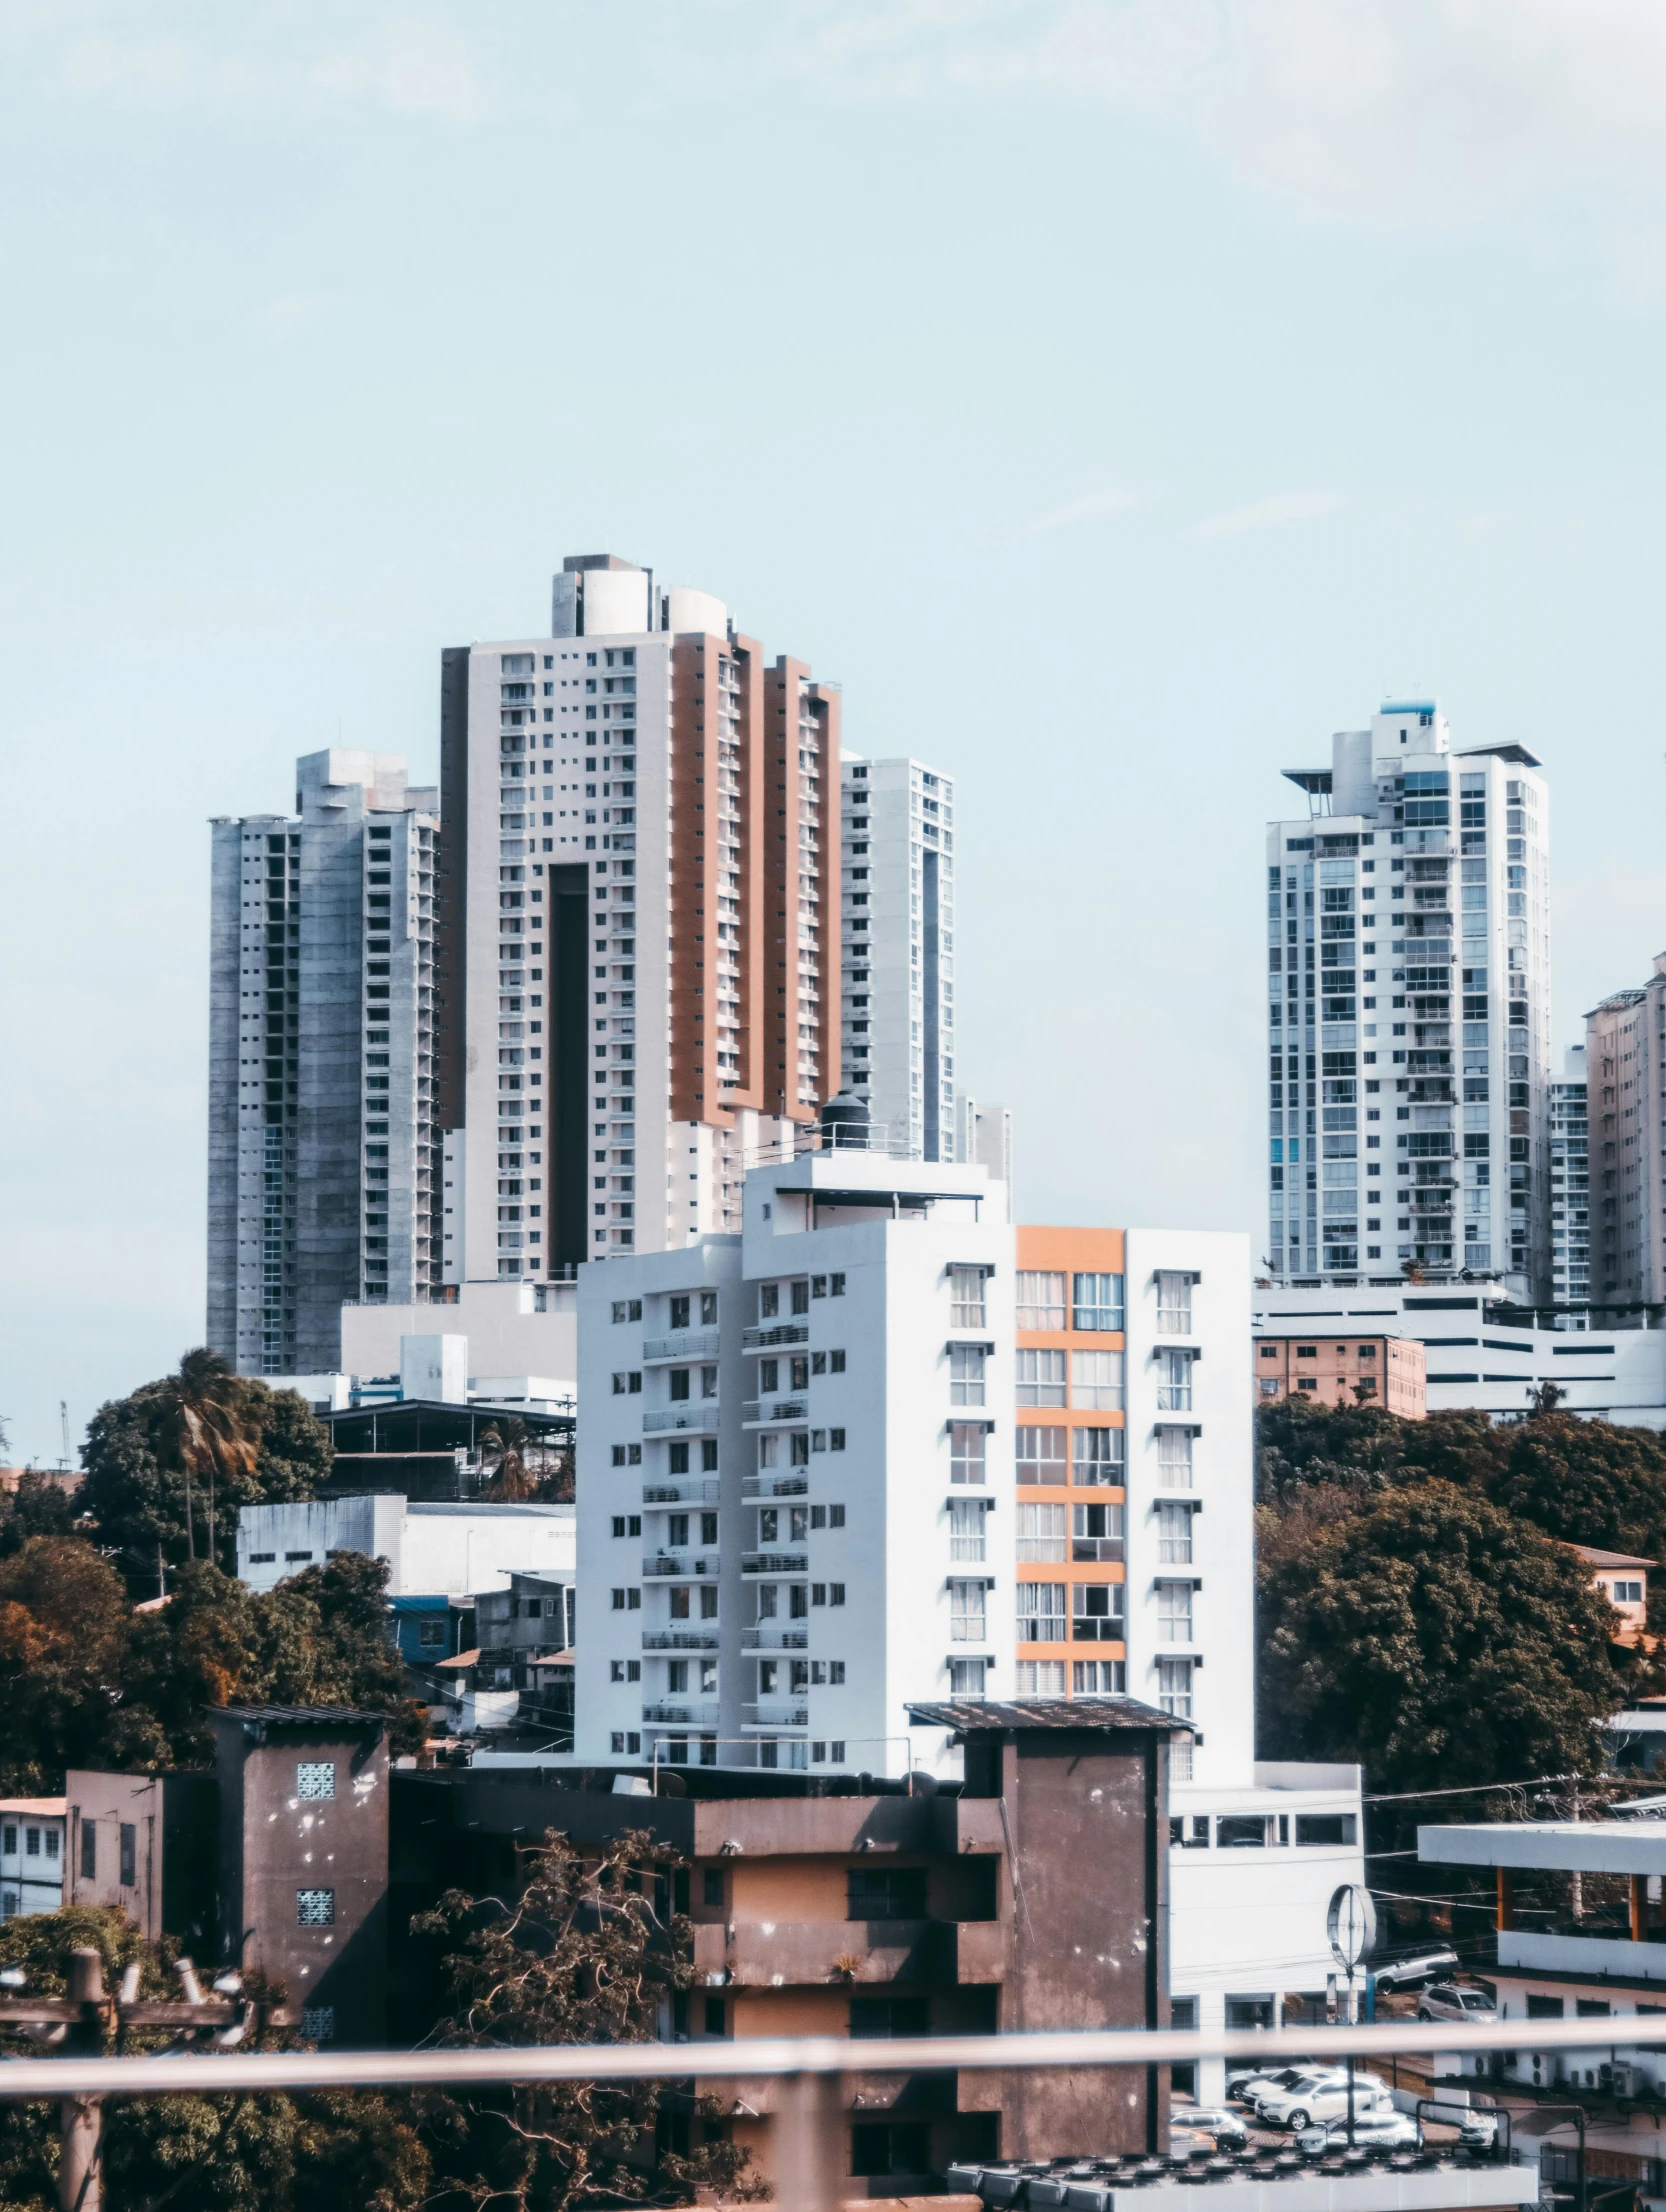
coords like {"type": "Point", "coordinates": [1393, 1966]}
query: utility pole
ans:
{"type": "Point", "coordinates": [63, 1424]}
{"type": "Point", "coordinates": [83, 2022]}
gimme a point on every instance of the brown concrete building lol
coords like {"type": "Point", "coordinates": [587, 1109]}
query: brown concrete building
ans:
{"type": "Point", "coordinates": [303, 1800]}
{"type": "Point", "coordinates": [1343, 1370]}
{"type": "Point", "coordinates": [826, 1907]}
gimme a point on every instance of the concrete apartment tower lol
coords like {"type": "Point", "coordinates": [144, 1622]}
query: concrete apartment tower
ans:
{"type": "Point", "coordinates": [1570, 1193]}
{"type": "Point", "coordinates": [637, 971]}
{"type": "Point", "coordinates": [1625, 1057]}
{"type": "Point", "coordinates": [321, 1142]}
{"type": "Point", "coordinates": [898, 952]}
{"type": "Point", "coordinates": [1408, 934]}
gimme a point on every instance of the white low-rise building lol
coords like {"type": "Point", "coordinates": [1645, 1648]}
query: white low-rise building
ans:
{"type": "Point", "coordinates": [31, 1855]}
{"type": "Point", "coordinates": [431, 1549]}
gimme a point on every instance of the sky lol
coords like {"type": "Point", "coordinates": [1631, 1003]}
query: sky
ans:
{"type": "Point", "coordinates": [1115, 396]}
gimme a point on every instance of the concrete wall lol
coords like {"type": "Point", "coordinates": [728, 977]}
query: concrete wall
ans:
{"type": "Point", "coordinates": [429, 1548]}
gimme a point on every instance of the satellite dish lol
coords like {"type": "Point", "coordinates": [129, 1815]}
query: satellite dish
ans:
{"type": "Point", "coordinates": [1351, 1924]}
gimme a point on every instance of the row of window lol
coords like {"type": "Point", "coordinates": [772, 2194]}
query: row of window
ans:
{"type": "Point", "coordinates": [1259, 1831]}
{"type": "Point", "coordinates": [1097, 1301]}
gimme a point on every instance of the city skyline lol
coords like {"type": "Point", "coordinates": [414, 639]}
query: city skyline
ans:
{"type": "Point", "coordinates": [1054, 470]}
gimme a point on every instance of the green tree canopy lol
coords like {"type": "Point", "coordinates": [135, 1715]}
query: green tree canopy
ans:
{"type": "Point", "coordinates": [1430, 1634]}
{"type": "Point", "coordinates": [157, 1462]}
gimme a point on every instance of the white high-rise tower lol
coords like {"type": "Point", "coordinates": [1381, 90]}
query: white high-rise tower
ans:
{"type": "Point", "coordinates": [1408, 930]}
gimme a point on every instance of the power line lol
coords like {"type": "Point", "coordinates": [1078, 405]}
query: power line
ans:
{"type": "Point", "coordinates": [1533, 1782]}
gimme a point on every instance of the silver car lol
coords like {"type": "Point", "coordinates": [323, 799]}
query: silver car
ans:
{"type": "Point", "coordinates": [1381, 2128]}
{"type": "Point", "coordinates": [1455, 2001]}
{"type": "Point", "coordinates": [1217, 2120]}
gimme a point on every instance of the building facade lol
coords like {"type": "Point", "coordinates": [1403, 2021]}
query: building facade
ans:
{"type": "Point", "coordinates": [897, 946]}
{"type": "Point", "coordinates": [432, 1549]}
{"type": "Point", "coordinates": [1570, 1194]}
{"type": "Point", "coordinates": [31, 1855]}
{"type": "Point", "coordinates": [795, 1474]}
{"type": "Point", "coordinates": [638, 981]}
{"type": "Point", "coordinates": [1625, 1056]}
{"type": "Point", "coordinates": [1344, 1370]}
{"type": "Point", "coordinates": [321, 1183]}
{"type": "Point", "coordinates": [1409, 1011]}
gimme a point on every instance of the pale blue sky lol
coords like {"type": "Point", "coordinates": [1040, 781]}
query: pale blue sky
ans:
{"type": "Point", "coordinates": [1116, 398]}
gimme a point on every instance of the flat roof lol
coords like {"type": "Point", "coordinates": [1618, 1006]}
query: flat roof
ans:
{"type": "Point", "coordinates": [1046, 1712]}
{"type": "Point", "coordinates": [301, 1716]}
{"type": "Point", "coordinates": [1557, 1846]}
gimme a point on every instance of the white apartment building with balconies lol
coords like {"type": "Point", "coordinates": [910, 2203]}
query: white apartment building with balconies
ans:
{"type": "Point", "coordinates": [1408, 930]}
{"type": "Point", "coordinates": [898, 932]}
{"type": "Point", "coordinates": [795, 1475]}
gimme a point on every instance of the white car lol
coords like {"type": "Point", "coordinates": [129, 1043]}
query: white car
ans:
{"type": "Point", "coordinates": [1320, 2097]}
{"type": "Point", "coordinates": [1249, 2087]}
{"type": "Point", "coordinates": [1455, 2001]}
{"type": "Point", "coordinates": [1478, 2129]}
{"type": "Point", "coordinates": [1377, 2126]}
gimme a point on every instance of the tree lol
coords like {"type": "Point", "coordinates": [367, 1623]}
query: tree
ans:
{"type": "Point", "coordinates": [1435, 1638]}
{"type": "Point", "coordinates": [37, 1507]}
{"type": "Point", "coordinates": [324, 2153]}
{"type": "Point", "coordinates": [589, 1951]}
{"type": "Point", "coordinates": [144, 1498]}
{"type": "Point", "coordinates": [64, 1627]}
{"type": "Point", "coordinates": [1588, 1482]}
{"type": "Point", "coordinates": [524, 1465]}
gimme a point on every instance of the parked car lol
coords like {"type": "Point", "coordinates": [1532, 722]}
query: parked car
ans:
{"type": "Point", "coordinates": [1405, 1969]}
{"type": "Point", "coordinates": [1246, 2083]}
{"type": "Point", "coordinates": [1478, 2129]}
{"type": "Point", "coordinates": [1456, 2001]}
{"type": "Point", "coordinates": [1216, 2120]}
{"type": "Point", "coordinates": [1377, 2126]}
{"type": "Point", "coordinates": [1316, 2097]}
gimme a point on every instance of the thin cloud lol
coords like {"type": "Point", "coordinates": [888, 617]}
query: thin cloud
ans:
{"type": "Point", "coordinates": [288, 316]}
{"type": "Point", "coordinates": [1269, 514]}
{"type": "Point", "coordinates": [1112, 500]}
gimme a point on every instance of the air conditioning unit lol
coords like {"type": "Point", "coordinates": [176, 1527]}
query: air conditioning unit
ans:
{"type": "Point", "coordinates": [1622, 2078]}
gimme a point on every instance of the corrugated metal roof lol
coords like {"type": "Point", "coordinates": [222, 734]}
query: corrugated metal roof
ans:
{"type": "Point", "coordinates": [1046, 1712]}
{"type": "Point", "coordinates": [302, 1716]}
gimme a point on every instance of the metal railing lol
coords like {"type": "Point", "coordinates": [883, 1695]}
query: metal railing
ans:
{"type": "Point", "coordinates": [808, 2149]}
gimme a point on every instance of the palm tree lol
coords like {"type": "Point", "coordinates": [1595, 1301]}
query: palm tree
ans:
{"type": "Point", "coordinates": [207, 1430]}
{"type": "Point", "coordinates": [505, 1448]}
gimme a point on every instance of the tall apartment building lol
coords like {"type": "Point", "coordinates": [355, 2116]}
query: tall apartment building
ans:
{"type": "Point", "coordinates": [1625, 1067]}
{"type": "Point", "coordinates": [321, 1141]}
{"type": "Point", "coordinates": [1570, 1193]}
{"type": "Point", "coordinates": [638, 984]}
{"type": "Point", "coordinates": [898, 952]}
{"type": "Point", "coordinates": [795, 1473]}
{"type": "Point", "coordinates": [1409, 999]}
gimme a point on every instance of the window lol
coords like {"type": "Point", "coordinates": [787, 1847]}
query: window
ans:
{"type": "Point", "coordinates": [967, 1676]}
{"type": "Point", "coordinates": [1095, 1532]}
{"type": "Point", "coordinates": [128, 1851]}
{"type": "Point", "coordinates": [1040, 1300]}
{"type": "Point", "coordinates": [1174, 1688]}
{"type": "Point", "coordinates": [1041, 1454]}
{"type": "Point", "coordinates": [890, 2016]}
{"type": "Point", "coordinates": [1174, 1458]}
{"type": "Point", "coordinates": [966, 1374]}
{"type": "Point", "coordinates": [1041, 1678]}
{"type": "Point", "coordinates": [1099, 1677]}
{"type": "Point", "coordinates": [1174, 1612]}
{"type": "Point", "coordinates": [627, 1309]}
{"type": "Point", "coordinates": [89, 1850]}
{"type": "Point", "coordinates": [1249, 2012]}
{"type": "Point", "coordinates": [1241, 1831]}
{"type": "Point", "coordinates": [1096, 1613]}
{"type": "Point", "coordinates": [431, 1633]}
{"type": "Point", "coordinates": [1327, 1828]}
{"type": "Point", "coordinates": [1041, 1378]}
{"type": "Point", "coordinates": [1041, 1532]}
{"type": "Point", "coordinates": [1096, 1302]}
{"type": "Point", "coordinates": [9, 1843]}
{"type": "Point", "coordinates": [967, 1443]}
{"type": "Point", "coordinates": [885, 1893]}
{"type": "Point", "coordinates": [1174, 1382]}
{"type": "Point", "coordinates": [628, 1385]}
{"type": "Point", "coordinates": [966, 1528]}
{"type": "Point", "coordinates": [315, 1778]}
{"type": "Point", "coordinates": [679, 1313]}
{"type": "Point", "coordinates": [1096, 1381]}
{"type": "Point", "coordinates": [1041, 1615]}
{"type": "Point", "coordinates": [1174, 1534]}
{"type": "Point", "coordinates": [1174, 1303]}
{"type": "Point", "coordinates": [1628, 1593]}
{"type": "Point", "coordinates": [31, 1843]}
{"type": "Point", "coordinates": [1097, 1456]}
{"type": "Point", "coordinates": [966, 1614]}
{"type": "Point", "coordinates": [315, 1908]}
{"type": "Point", "coordinates": [966, 1298]}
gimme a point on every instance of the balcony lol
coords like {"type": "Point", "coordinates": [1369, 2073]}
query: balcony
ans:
{"type": "Point", "coordinates": [776, 1954]}
{"type": "Point", "coordinates": [775, 1563]}
{"type": "Point", "coordinates": [680, 1713]}
{"type": "Point", "coordinates": [763, 1413]}
{"type": "Point", "coordinates": [680, 1639]}
{"type": "Point", "coordinates": [774, 1486]}
{"type": "Point", "coordinates": [686, 1490]}
{"type": "Point", "coordinates": [774, 1636]}
{"type": "Point", "coordinates": [677, 1567]}
{"type": "Point", "coordinates": [775, 1713]}
{"type": "Point", "coordinates": [1106, 1550]}
{"type": "Point", "coordinates": [688, 1420]}
{"type": "Point", "coordinates": [1588, 1957]}
{"type": "Point", "coordinates": [687, 1344]}
{"type": "Point", "coordinates": [772, 1333]}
